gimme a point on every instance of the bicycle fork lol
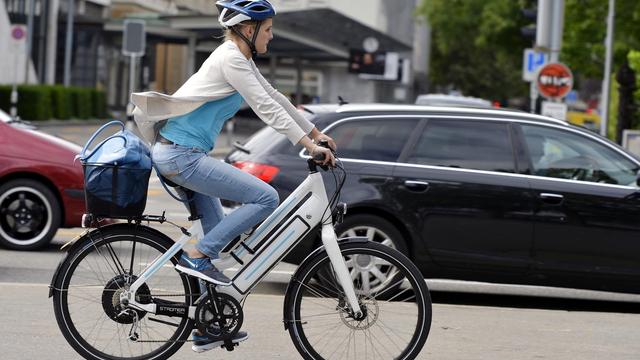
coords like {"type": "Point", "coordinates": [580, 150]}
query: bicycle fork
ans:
{"type": "Point", "coordinates": [330, 242]}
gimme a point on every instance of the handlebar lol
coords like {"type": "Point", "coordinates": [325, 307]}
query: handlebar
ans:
{"type": "Point", "coordinates": [321, 157]}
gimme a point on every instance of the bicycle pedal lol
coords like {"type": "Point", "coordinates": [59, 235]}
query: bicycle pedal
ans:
{"type": "Point", "coordinates": [229, 348]}
{"type": "Point", "coordinates": [229, 345]}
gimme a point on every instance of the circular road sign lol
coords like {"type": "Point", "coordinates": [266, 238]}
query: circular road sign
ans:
{"type": "Point", "coordinates": [554, 80]}
{"type": "Point", "coordinates": [18, 32]}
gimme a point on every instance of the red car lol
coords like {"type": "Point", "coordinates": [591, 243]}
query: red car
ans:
{"type": "Point", "coordinates": [41, 187]}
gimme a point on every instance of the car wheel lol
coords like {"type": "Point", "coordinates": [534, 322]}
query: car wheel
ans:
{"type": "Point", "coordinates": [376, 277]}
{"type": "Point", "coordinates": [374, 228]}
{"type": "Point", "coordinates": [29, 214]}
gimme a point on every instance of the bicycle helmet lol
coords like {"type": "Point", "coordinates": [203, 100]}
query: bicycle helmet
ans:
{"type": "Point", "coordinates": [233, 12]}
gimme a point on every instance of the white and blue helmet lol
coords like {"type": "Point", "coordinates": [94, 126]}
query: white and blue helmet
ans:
{"type": "Point", "coordinates": [233, 12]}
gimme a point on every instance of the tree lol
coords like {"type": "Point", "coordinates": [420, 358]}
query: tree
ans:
{"type": "Point", "coordinates": [477, 47]}
{"type": "Point", "coordinates": [585, 29]}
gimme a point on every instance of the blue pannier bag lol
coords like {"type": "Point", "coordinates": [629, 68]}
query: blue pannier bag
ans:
{"type": "Point", "coordinates": [116, 174]}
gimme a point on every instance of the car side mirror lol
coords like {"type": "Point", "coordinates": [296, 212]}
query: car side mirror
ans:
{"type": "Point", "coordinates": [638, 178]}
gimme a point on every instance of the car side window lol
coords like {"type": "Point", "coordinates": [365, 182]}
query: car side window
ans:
{"type": "Point", "coordinates": [479, 145]}
{"type": "Point", "coordinates": [372, 139]}
{"type": "Point", "coordinates": [566, 155]}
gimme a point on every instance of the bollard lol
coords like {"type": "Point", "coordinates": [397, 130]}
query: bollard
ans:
{"type": "Point", "coordinates": [14, 102]}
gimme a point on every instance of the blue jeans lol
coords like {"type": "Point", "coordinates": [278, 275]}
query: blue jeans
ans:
{"type": "Point", "coordinates": [212, 179]}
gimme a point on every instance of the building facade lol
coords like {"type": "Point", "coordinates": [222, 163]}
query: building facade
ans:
{"type": "Point", "coordinates": [308, 59]}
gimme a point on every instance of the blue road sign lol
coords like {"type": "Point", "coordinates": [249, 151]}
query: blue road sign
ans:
{"type": "Point", "coordinates": [531, 62]}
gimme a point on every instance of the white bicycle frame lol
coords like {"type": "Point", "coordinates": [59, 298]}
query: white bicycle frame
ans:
{"type": "Point", "coordinates": [261, 251]}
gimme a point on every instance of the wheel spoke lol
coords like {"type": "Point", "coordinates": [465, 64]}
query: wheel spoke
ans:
{"type": "Point", "coordinates": [388, 242]}
{"type": "Point", "coordinates": [366, 285]}
{"type": "Point", "coordinates": [378, 274]}
{"type": "Point", "coordinates": [371, 232]}
{"type": "Point", "coordinates": [379, 261]}
{"type": "Point", "coordinates": [22, 201]}
{"type": "Point", "coordinates": [354, 274]}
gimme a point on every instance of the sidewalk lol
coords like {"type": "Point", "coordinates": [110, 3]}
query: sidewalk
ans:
{"type": "Point", "coordinates": [79, 131]}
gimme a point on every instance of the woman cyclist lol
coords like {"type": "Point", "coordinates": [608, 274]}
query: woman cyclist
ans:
{"type": "Point", "coordinates": [196, 114]}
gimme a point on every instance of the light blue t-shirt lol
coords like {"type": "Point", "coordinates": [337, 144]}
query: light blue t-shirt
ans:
{"type": "Point", "coordinates": [201, 127]}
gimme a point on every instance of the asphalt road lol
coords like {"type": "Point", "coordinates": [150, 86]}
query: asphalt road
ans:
{"type": "Point", "coordinates": [470, 320]}
{"type": "Point", "coordinates": [489, 329]}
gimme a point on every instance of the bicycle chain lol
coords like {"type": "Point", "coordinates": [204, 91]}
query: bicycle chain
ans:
{"type": "Point", "coordinates": [166, 341]}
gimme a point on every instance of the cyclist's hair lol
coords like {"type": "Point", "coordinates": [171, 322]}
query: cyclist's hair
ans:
{"type": "Point", "coordinates": [230, 35]}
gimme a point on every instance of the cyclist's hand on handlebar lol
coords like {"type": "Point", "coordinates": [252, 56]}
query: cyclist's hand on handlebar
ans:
{"type": "Point", "coordinates": [325, 138]}
{"type": "Point", "coordinates": [323, 156]}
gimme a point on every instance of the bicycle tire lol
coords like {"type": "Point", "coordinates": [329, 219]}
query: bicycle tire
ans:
{"type": "Point", "coordinates": [92, 252]}
{"type": "Point", "coordinates": [409, 321]}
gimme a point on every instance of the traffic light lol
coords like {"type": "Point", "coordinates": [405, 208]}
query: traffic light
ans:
{"type": "Point", "coordinates": [529, 31]}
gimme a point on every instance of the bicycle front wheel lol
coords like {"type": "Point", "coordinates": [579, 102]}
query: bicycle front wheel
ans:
{"type": "Point", "coordinates": [396, 319]}
{"type": "Point", "coordinates": [87, 303]}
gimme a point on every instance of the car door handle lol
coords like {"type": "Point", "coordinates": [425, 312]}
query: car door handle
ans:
{"type": "Point", "coordinates": [554, 199]}
{"type": "Point", "coordinates": [415, 185]}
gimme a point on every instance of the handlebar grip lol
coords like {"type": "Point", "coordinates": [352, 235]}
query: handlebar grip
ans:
{"type": "Point", "coordinates": [319, 157]}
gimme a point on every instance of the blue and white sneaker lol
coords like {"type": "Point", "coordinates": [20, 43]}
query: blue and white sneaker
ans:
{"type": "Point", "coordinates": [202, 343]}
{"type": "Point", "coordinates": [202, 268]}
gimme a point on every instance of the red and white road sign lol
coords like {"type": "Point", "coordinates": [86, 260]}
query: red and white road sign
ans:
{"type": "Point", "coordinates": [554, 80]}
{"type": "Point", "coordinates": [18, 32]}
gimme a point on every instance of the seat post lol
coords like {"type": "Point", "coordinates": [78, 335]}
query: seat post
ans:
{"type": "Point", "coordinates": [193, 211]}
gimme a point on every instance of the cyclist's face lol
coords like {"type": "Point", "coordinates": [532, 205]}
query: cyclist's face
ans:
{"type": "Point", "coordinates": [264, 36]}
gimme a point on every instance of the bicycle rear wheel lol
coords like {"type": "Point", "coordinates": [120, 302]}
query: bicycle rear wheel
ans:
{"type": "Point", "coordinates": [395, 322]}
{"type": "Point", "coordinates": [87, 302]}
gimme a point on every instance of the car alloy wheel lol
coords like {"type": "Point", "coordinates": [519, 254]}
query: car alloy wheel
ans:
{"type": "Point", "coordinates": [373, 276]}
{"type": "Point", "coordinates": [29, 214]}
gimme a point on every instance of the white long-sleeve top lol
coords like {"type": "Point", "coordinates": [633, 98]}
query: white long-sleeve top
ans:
{"type": "Point", "coordinates": [226, 71]}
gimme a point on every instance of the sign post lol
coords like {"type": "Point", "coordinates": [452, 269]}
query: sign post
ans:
{"type": "Point", "coordinates": [18, 35]}
{"type": "Point", "coordinates": [531, 62]}
{"type": "Point", "coordinates": [133, 45]}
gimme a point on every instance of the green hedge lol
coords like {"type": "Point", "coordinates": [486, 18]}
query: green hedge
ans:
{"type": "Point", "coordinates": [34, 102]}
{"type": "Point", "coordinates": [62, 102]}
{"type": "Point", "coordinates": [43, 102]}
{"type": "Point", "coordinates": [5, 98]}
{"type": "Point", "coordinates": [82, 103]}
{"type": "Point", "coordinates": [99, 100]}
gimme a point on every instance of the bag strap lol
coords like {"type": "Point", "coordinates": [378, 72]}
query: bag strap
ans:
{"type": "Point", "coordinates": [95, 134]}
{"type": "Point", "coordinates": [188, 200]}
{"type": "Point", "coordinates": [82, 159]}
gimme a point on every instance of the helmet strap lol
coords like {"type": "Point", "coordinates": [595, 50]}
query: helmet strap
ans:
{"type": "Point", "coordinates": [252, 42]}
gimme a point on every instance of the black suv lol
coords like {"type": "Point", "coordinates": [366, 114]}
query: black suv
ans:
{"type": "Point", "coordinates": [475, 194]}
